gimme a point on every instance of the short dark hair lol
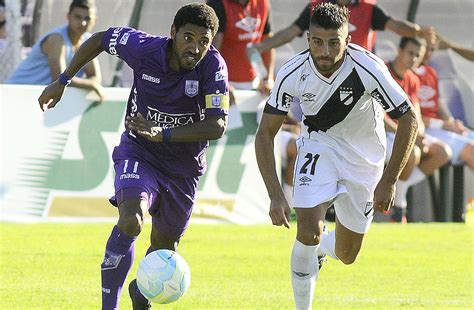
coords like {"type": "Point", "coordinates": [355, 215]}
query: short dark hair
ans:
{"type": "Point", "coordinates": [330, 16]}
{"type": "Point", "coordinates": [417, 41]}
{"type": "Point", "coordinates": [84, 4]}
{"type": "Point", "coordinates": [198, 14]}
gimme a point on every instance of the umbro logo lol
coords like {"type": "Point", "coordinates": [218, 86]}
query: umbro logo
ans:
{"type": "Point", "coordinates": [308, 96]}
{"type": "Point", "coordinates": [346, 95]}
{"type": "Point", "coordinates": [300, 274]}
{"type": "Point", "coordinates": [304, 180]}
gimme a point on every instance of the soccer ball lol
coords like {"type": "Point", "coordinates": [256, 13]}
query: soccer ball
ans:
{"type": "Point", "coordinates": [163, 276]}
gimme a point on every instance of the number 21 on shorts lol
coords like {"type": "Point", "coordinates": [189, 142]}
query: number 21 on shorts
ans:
{"type": "Point", "coordinates": [311, 159]}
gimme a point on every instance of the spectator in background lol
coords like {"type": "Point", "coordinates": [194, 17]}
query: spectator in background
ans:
{"type": "Point", "coordinates": [438, 120]}
{"type": "Point", "coordinates": [53, 52]}
{"type": "Point", "coordinates": [242, 22]}
{"type": "Point", "coordinates": [365, 18]}
{"type": "Point", "coordinates": [434, 153]}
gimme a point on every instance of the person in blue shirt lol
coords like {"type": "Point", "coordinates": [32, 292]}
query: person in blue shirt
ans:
{"type": "Point", "coordinates": [53, 51]}
{"type": "Point", "coordinates": [179, 100]}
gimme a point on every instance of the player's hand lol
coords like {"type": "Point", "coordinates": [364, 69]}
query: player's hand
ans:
{"type": "Point", "coordinates": [280, 212]}
{"type": "Point", "coordinates": [51, 95]}
{"type": "Point", "coordinates": [422, 143]}
{"type": "Point", "coordinates": [429, 34]}
{"type": "Point", "coordinates": [383, 196]}
{"type": "Point", "coordinates": [99, 90]}
{"type": "Point", "coordinates": [265, 86]}
{"type": "Point", "coordinates": [231, 96]}
{"type": "Point", "coordinates": [144, 128]}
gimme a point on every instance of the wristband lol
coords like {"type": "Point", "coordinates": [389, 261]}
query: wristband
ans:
{"type": "Point", "coordinates": [166, 135]}
{"type": "Point", "coordinates": [64, 79]}
{"type": "Point", "coordinates": [436, 123]}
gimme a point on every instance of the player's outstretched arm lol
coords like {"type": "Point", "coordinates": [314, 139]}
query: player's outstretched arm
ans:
{"type": "Point", "coordinates": [211, 128]}
{"type": "Point", "coordinates": [86, 52]}
{"type": "Point", "coordinates": [264, 150]}
{"type": "Point", "coordinates": [404, 140]}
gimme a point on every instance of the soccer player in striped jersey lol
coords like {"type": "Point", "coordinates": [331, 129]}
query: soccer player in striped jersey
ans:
{"type": "Point", "coordinates": [343, 90]}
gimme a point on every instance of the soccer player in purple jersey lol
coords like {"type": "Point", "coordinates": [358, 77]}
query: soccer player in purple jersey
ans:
{"type": "Point", "coordinates": [179, 101]}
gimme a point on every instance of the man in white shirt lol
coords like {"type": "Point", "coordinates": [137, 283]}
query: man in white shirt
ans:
{"type": "Point", "coordinates": [343, 90]}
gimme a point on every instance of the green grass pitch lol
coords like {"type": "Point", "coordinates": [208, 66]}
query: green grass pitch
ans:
{"type": "Point", "coordinates": [415, 266]}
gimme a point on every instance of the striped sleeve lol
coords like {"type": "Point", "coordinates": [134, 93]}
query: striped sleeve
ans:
{"type": "Point", "coordinates": [380, 83]}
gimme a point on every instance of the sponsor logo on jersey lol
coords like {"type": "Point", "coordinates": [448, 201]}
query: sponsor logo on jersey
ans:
{"type": "Point", "coordinates": [287, 100]}
{"type": "Point", "coordinates": [219, 101]}
{"type": "Point", "coordinates": [308, 97]}
{"type": "Point", "coordinates": [150, 78]}
{"type": "Point", "coordinates": [124, 39]}
{"type": "Point", "coordinates": [113, 41]}
{"type": "Point", "coordinates": [346, 95]}
{"type": "Point", "coordinates": [248, 24]}
{"type": "Point", "coordinates": [380, 99]}
{"type": "Point", "coordinates": [404, 107]}
{"type": "Point", "coordinates": [191, 88]}
{"type": "Point", "coordinates": [168, 120]}
{"type": "Point", "coordinates": [220, 76]}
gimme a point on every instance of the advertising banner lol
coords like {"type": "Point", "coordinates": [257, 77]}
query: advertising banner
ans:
{"type": "Point", "coordinates": [57, 165]}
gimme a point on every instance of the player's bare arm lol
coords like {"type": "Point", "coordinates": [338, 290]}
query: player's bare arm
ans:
{"type": "Point", "coordinates": [281, 37]}
{"type": "Point", "coordinates": [90, 49]}
{"type": "Point", "coordinates": [264, 149]}
{"type": "Point", "coordinates": [404, 140]}
{"type": "Point", "coordinates": [407, 29]}
{"type": "Point", "coordinates": [211, 128]}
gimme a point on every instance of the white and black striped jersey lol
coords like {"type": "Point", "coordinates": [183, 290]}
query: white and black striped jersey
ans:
{"type": "Point", "coordinates": [346, 110]}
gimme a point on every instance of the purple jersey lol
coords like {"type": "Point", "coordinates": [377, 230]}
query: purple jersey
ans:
{"type": "Point", "coordinates": [168, 98]}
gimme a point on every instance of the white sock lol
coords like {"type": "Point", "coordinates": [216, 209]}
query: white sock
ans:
{"type": "Point", "coordinates": [304, 272]}
{"type": "Point", "coordinates": [415, 177]}
{"type": "Point", "coordinates": [328, 245]}
{"type": "Point", "coordinates": [401, 194]}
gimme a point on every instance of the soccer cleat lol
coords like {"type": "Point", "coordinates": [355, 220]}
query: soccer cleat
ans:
{"type": "Point", "coordinates": [137, 302]}
{"type": "Point", "coordinates": [321, 260]}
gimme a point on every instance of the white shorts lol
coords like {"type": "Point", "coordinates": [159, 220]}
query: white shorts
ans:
{"type": "Point", "coordinates": [455, 141]}
{"type": "Point", "coordinates": [322, 175]}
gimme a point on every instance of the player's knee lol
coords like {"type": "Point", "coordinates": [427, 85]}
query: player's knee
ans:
{"type": "Point", "coordinates": [347, 255]}
{"type": "Point", "coordinates": [309, 237]}
{"type": "Point", "coordinates": [443, 152]}
{"type": "Point", "coordinates": [131, 224]}
{"type": "Point", "coordinates": [161, 241]}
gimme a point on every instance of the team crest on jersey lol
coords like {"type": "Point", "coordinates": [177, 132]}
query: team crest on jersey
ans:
{"type": "Point", "coordinates": [124, 39]}
{"type": "Point", "coordinates": [286, 100]}
{"type": "Point", "coordinates": [191, 88]}
{"type": "Point", "coordinates": [346, 95]}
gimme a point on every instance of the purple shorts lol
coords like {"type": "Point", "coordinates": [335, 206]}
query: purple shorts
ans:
{"type": "Point", "coordinates": [170, 200]}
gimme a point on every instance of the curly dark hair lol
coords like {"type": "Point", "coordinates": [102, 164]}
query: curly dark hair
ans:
{"type": "Point", "coordinates": [198, 14]}
{"type": "Point", "coordinates": [330, 16]}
